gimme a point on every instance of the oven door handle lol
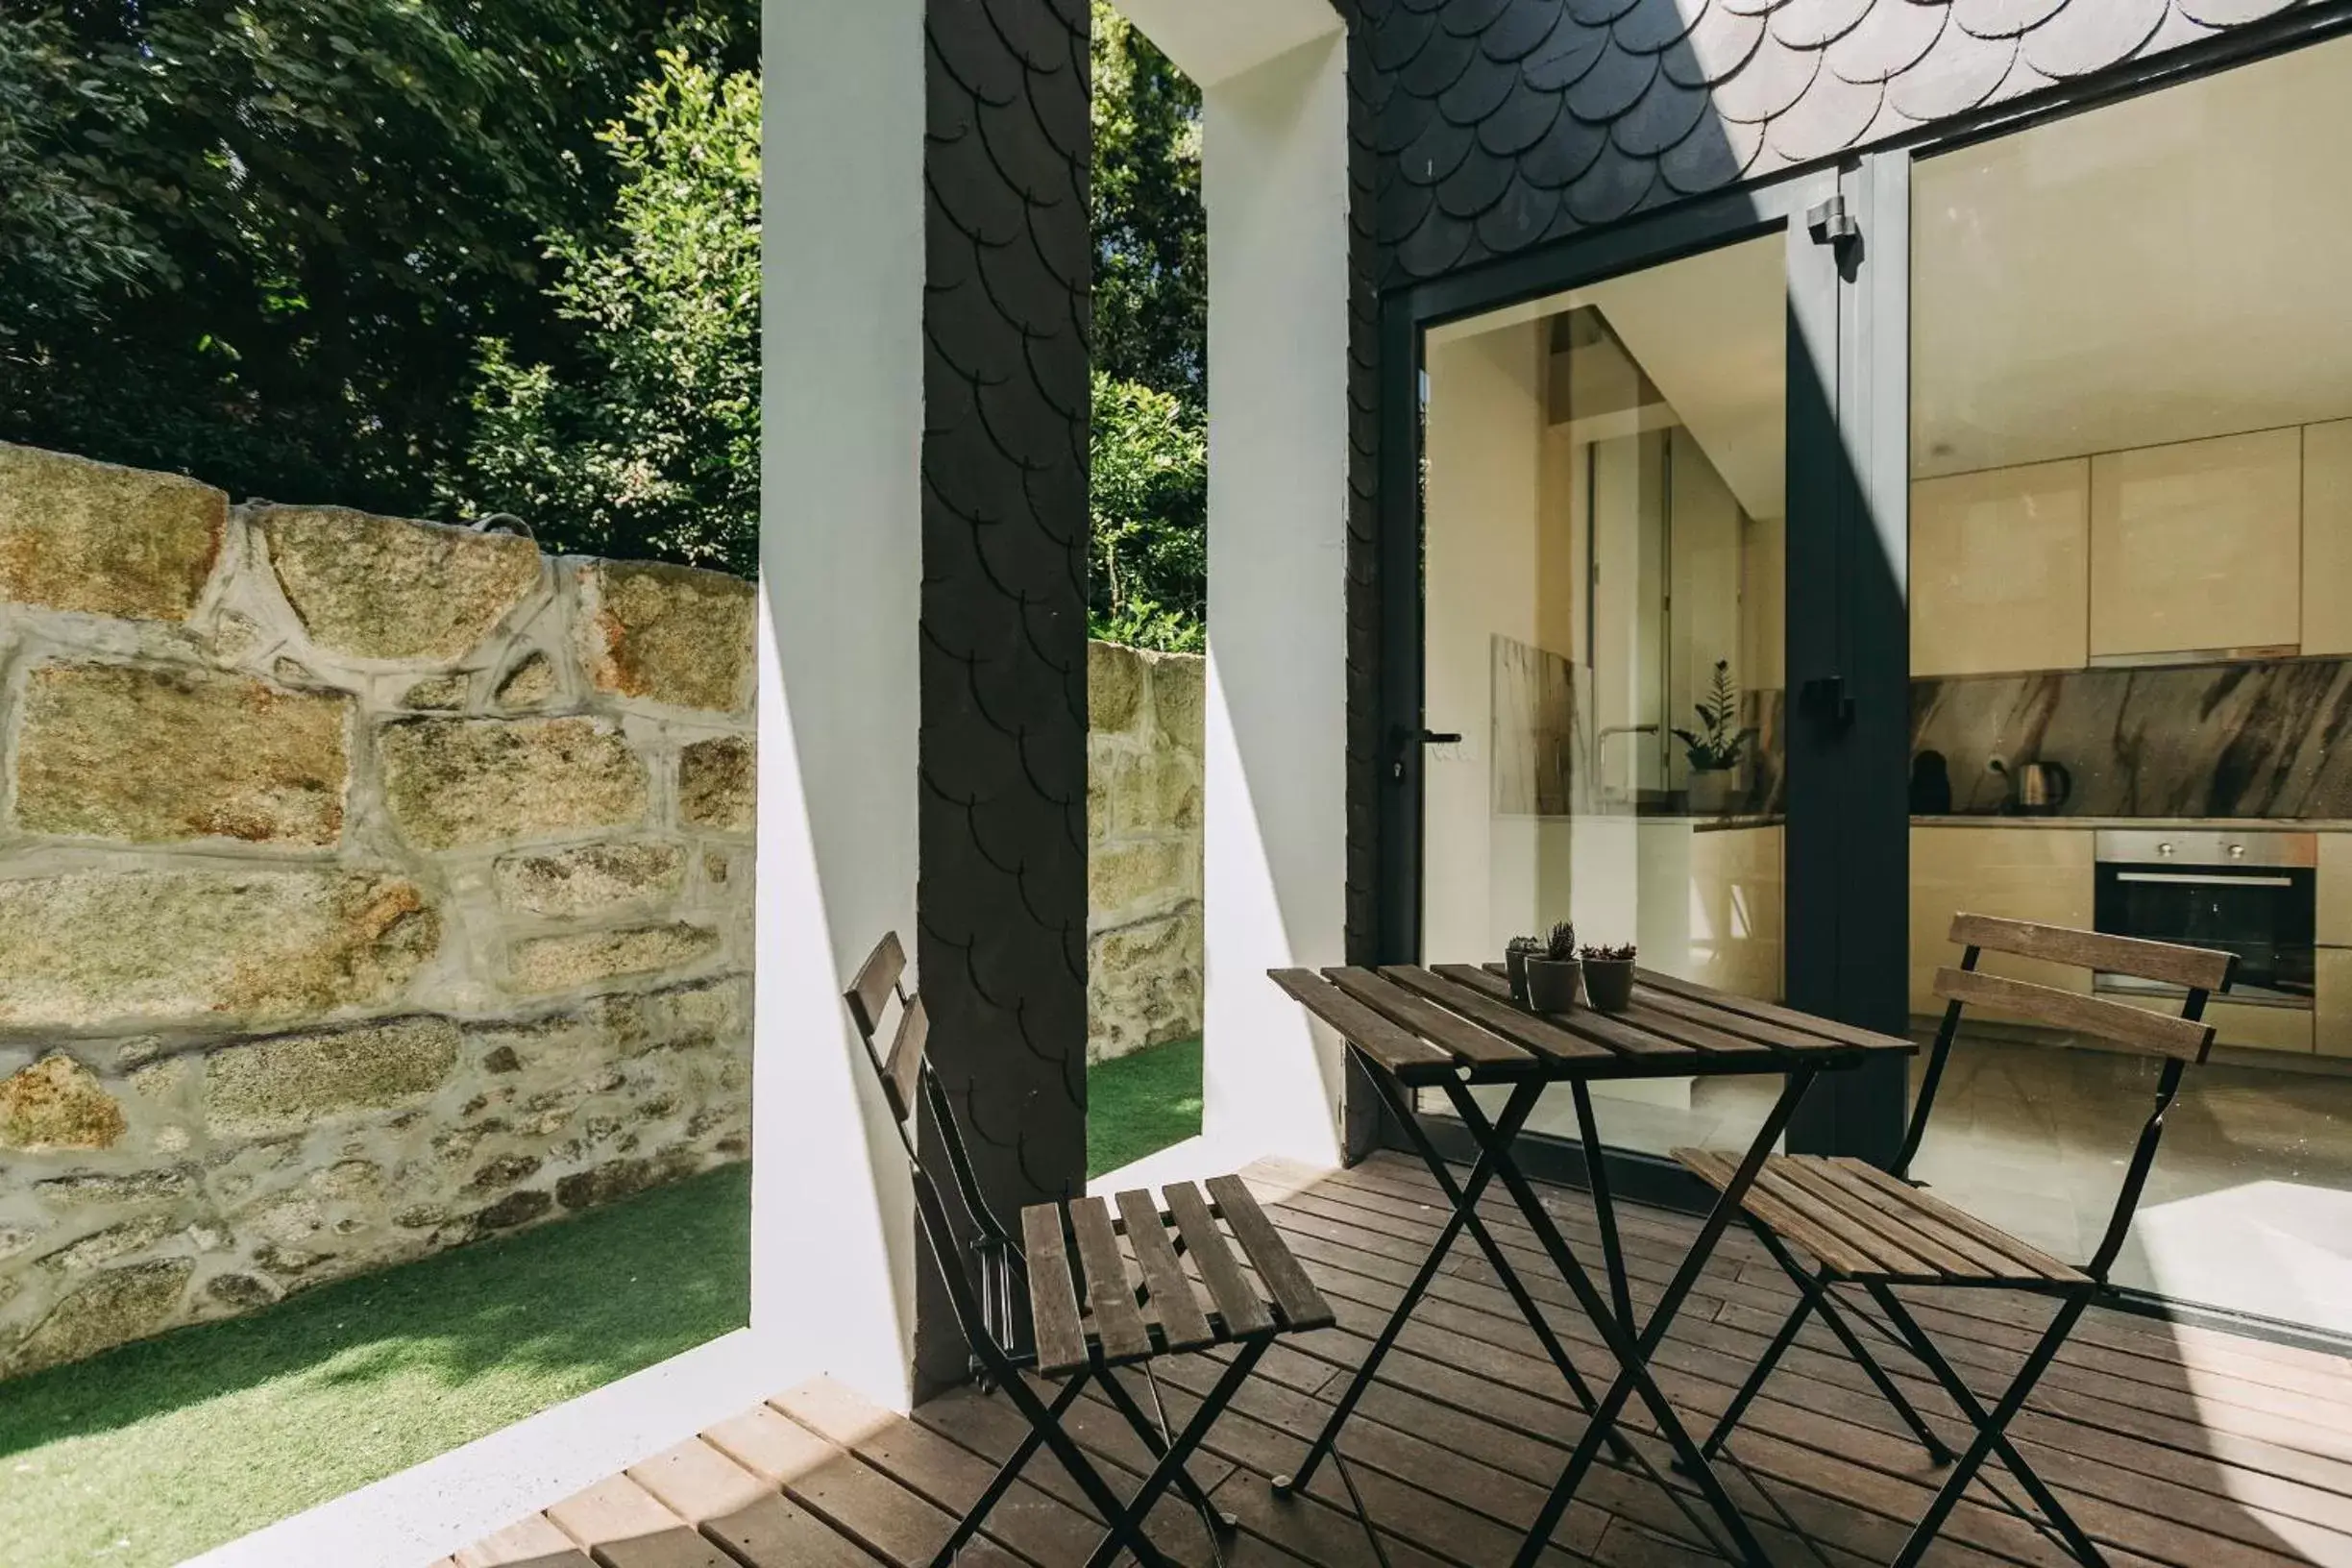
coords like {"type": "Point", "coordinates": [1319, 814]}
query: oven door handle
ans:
{"type": "Point", "coordinates": [2196, 880]}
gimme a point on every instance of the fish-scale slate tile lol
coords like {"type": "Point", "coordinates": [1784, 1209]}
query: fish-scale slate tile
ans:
{"type": "Point", "coordinates": [1959, 72]}
{"type": "Point", "coordinates": [1815, 24]}
{"type": "Point", "coordinates": [1721, 44]}
{"type": "Point", "coordinates": [2231, 12]}
{"type": "Point", "coordinates": [2084, 38]}
{"type": "Point", "coordinates": [1522, 30]}
{"type": "Point", "coordinates": [1525, 119]}
{"type": "Point", "coordinates": [1614, 86]}
{"type": "Point", "coordinates": [2007, 19]}
{"type": "Point", "coordinates": [1654, 24]}
{"type": "Point", "coordinates": [1776, 76]}
{"type": "Point", "coordinates": [1891, 39]}
{"type": "Point", "coordinates": [1829, 118]}
{"type": "Point", "coordinates": [1664, 116]}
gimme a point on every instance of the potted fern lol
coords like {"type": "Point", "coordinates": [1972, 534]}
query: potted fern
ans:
{"type": "Point", "coordinates": [1555, 975]}
{"type": "Point", "coordinates": [1715, 747]}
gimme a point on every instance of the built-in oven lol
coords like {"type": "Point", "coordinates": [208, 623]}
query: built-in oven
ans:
{"type": "Point", "coordinates": [2252, 893]}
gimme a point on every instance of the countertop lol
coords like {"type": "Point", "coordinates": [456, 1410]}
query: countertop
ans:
{"type": "Point", "coordinates": [2213, 824]}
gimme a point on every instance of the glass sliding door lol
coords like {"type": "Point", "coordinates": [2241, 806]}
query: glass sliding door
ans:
{"type": "Point", "coordinates": [1606, 506]}
{"type": "Point", "coordinates": [2131, 546]}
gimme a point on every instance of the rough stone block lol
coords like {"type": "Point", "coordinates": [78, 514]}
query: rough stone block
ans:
{"type": "Point", "coordinates": [594, 876]}
{"type": "Point", "coordinates": [530, 684]}
{"type": "Point", "coordinates": [719, 784]}
{"type": "Point", "coordinates": [667, 634]}
{"type": "Point", "coordinates": [385, 588]}
{"type": "Point", "coordinates": [78, 536]}
{"type": "Point", "coordinates": [452, 782]}
{"type": "Point", "coordinates": [1143, 984]}
{"type": "Point", "coordinates": [1116, 682]}
{"type": "Point", "coordinates": [56, 1103]}
{"type": "Point", "coordinates": [151, 755]}
{"type": "Point", "coordinates": [118, 1306]}
{"type": "Point", "coordinates": [546, 963]}
{"type": "Point", "coordinates": [1153, 876]}
{"type": "Point", "coordinates": [114, 947]}
{"type": "Point", "coordinates": [437, 693]}
{"type": "Point", "coordinates": [1180, 699]}
{"type": "Point", "coordinates": [289, 1084]}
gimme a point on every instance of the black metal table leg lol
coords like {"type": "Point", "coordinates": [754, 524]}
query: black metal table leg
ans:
{"type": "Point", "coordinates": [1596, 1177]}
{"type": "Point", "coordinates": [1633, 1358]}
{"type": "Point", "coordinates": [1522, 1102]}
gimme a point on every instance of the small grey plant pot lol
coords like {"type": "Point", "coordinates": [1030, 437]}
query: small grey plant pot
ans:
{"type": "Point", "coordinates": [1515, 964]}
{"type": "Point", "coordinates": [1553, 983]}
{"type": "Point", "coordinates": [1608, 982]}
{"type": "Point", "coordinates": [1714, 791]}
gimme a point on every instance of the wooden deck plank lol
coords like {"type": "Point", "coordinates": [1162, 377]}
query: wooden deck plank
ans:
{"type": "Point", "coordinates": [622, 1525]}
{"type": "Point", "coordinates": [526, 1543]}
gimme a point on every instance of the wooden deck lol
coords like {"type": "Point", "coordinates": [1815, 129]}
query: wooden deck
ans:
{"type": "Point", "coordinates": [2177, 1446]}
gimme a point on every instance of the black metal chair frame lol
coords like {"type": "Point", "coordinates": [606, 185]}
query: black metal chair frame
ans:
{"type": "Point", "coordinates": [1816, 1288]}
{"type": "Point", "coordinates": [987, 1313]}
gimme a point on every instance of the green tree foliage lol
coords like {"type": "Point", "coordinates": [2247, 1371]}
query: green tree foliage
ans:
{"type": "Point", "coordinates": [1150, 482]}
{"type": "Point", "coordinates": [1148, 582]}
{"type": "Point", "coordinates": [649, 444]}
{"type": "Point", "coordinates": [321, 209]}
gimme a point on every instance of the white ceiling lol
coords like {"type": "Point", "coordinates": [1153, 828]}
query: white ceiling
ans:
{"type": "Point", "coordinates": [2175, 266]}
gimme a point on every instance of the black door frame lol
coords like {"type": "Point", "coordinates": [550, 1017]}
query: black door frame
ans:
{"type": "Point", "coordinates": [1825, 330]}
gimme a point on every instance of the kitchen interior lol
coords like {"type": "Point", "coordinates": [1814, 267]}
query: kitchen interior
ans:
{"type": "Point", "coordinates": [2130, 583]}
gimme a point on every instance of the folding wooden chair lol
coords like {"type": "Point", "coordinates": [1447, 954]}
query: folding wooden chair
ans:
{"type": "Point", "coordinates": [1877, 1230]}
{"type": "Point", "coordinates": [1123, 1322]}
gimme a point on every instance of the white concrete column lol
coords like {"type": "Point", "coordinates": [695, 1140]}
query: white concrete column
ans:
{"type": "Point", "coordinates": [1273, 76]}
{"type": "Point", "coordinates": [841, 565]}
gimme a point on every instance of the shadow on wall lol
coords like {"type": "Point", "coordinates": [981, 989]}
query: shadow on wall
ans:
{"type": "Point", "coordinates": [366, 888]}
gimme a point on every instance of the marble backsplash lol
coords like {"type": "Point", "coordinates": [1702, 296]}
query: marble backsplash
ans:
{"type": "Point", "coordinates": [2267, 739]}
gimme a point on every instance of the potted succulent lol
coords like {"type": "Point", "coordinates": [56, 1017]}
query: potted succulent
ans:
{"type": "Point", "coordinates": [1515, 955]}
{"type": "Point", "coordinates": [1713, 749]}
{"type": "Point", "coordinates": [1553, 975]}
{"type": "Point", "coordinates": [1608, 977]}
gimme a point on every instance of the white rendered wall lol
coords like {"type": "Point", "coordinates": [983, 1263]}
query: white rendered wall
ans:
{"type": "Point", "coordinates": [1275, 851]}
{"type": "Point", "coordinates": [840, 562]}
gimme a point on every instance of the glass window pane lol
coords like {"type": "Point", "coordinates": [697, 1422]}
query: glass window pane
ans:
{"type": "Point", "coordinates": [1605, 525]}
{"type": "Point", "coordinates": [2131, 532]}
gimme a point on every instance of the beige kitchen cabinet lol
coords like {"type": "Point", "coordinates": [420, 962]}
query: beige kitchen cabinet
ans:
{"type": "Point", "coordinates": [2197, 546]}
{"type": "Point", "coordinates": [2332, 923]}
{"type": "Point", "coordinates": [2332, 1018]}
{"type": "Point", "coordinates": [1735, 900]}
{"type": "Point", "coordinates": [2000, 570]}
{"type": "Point", "coordinates": [2025, 874]}
{"type": "Point", "coordinates": [2327, 538]}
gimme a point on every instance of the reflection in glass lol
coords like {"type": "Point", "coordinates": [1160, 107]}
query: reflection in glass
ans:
{"type": "Point", "coordinates": [1604, 549]}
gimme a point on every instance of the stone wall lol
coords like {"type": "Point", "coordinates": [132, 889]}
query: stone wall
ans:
{"type": "Point", "coordinates": [366, 886]}
{"type": "Point", "coordinates": [1143, 849]}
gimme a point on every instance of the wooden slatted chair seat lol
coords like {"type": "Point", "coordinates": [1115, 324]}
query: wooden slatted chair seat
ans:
{"type": "Point", "coordinates": [1877, 1230]}
{"type": "Point", "coordinates": [1095, 1305]}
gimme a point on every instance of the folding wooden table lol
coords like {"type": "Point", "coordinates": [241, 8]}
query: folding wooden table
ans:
{"type": "Point", "coordinates": [1454, 1027]}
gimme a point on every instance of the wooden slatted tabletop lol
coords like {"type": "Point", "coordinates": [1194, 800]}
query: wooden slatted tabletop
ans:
{"type": "Point", "coordinates": [1457, 1021]}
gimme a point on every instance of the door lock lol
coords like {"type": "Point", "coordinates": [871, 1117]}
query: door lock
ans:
{"type": "Point", "coordinates": [1403, 738]}
{"type": "Point", "coordinates": [1826, 699]}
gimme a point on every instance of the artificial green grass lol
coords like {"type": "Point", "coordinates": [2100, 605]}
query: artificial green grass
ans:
{"type": "Point", "coordinates": [147, 1455]}
{"type": "Point", "coordinates": [1139, 1103]}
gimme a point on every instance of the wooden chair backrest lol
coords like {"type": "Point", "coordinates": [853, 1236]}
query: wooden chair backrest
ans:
{"type": "Point", "coordinates": [2184, 1036]}
{"type": "Point", "coordinates": [869, 996]}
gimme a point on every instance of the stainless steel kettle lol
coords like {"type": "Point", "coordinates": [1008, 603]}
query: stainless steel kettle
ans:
{"type": "Point", "coordinates": [2040, 786]}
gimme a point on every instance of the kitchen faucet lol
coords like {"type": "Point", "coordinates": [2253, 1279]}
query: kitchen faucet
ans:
{"type": "Point", "coordinates": [1600, 756]}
